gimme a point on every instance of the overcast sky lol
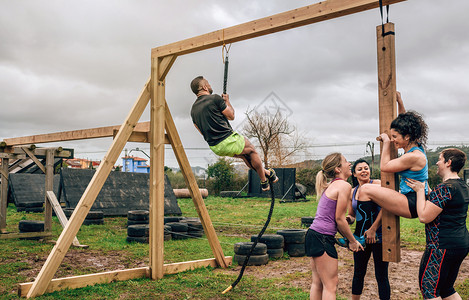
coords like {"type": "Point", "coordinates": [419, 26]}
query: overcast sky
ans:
{"type": "Point", "coordinates": [67, 65]}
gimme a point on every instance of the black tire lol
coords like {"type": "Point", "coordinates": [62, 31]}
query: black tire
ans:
{"type": "Point", "coordinates": [32, 204]}
{"type": "Point", "coordinates": [273, 241]}
{"type": "Point", "coordinates": [193, 225]}
{"type": "Point", "coordinates": [179, 235]}
{"type": "Point", "coordinates": [172, 219]}
{"type": "Point", "coordinates": [133, 222]}
{"type": "Point", "coordinates": [178, 227]}
{"type": "Point", "coordinates": [243, 248]}
{"type": "Point", "coordinates": [138, 230]}
{"type": "Point", "coordinates": [254, 260]}
{"type": "Point", "coordinates": [138, 239]}
{"type": "Point", "coordinates": [195, 234]}
{"type": "Point", "coordinates": [93, 222]}
{"type": "Point", "coordinates": [293, 236]}
{"type": "Point", "coordinates": [167, 229]}
{"type": "Point", "coordinates": [31, 226]}
{"type": "Point", "coordinates": [189, 219]}
{"type": "Point", "coordinates": [34, 209]}
{"type": "Point", "coordinates": [138, 215]}
{"type": "Point", "coordinates": [296, 250]}
{"type": "Point", "coordinates": [307, 221]}
{"type": "Point", "coordinates": [20, 208]}
{"type": "Point", "coordinates": [94, 215]}
{"type": "Point", "coordinates": [275, 253]}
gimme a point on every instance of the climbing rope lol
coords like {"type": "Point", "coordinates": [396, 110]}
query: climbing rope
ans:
{"type": "Point", "coordinates": [224, 56]}
{"type": "Point", "coordinates": [272, 203]}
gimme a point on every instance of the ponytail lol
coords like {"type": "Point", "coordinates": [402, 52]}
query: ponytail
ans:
{"type": "Point", "coordinates": [321, 183]}
{"type": "Point", "coordinates": [329, 164]}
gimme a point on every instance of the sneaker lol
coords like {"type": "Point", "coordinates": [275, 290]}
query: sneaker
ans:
{"type": "Point", "coordinates": [265, 185]}
{"type": "Point", "coordinates": [273, 176]}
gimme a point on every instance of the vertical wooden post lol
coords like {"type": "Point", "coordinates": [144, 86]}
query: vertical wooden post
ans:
{"type": "Point", "coordinates": [189, 177]}
{"type": "Point", "coordinates": [4, 195]}
{"type": "Point", "coordinates": [387, 113]}
{"type": "Point", "coordinates": [49, 187]}
{"type": "Point", "coordinates": [157, 115]}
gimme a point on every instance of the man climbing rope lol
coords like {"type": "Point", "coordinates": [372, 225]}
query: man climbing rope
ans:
{"type": "Point", "coordinates": [210, 114]}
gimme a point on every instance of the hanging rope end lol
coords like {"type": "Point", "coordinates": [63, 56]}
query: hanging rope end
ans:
{"type": "Point", "coordinates": [228, 289]}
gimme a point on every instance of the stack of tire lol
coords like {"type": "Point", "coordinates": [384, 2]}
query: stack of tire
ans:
{"type": "Point", "coordinates": [294, 241]}
{"type": "Point", "coordinates": [94, 217]}
{"type": "Point", "coordinates": [31, 207]}
{"type": "Point", "coordinates": [179, 230]}
{"type": "Point", "coordinates": [194, 227]}
{"type": "Point", "coordinates": [258, 257]}
{"type": "Point", "coordinates": [138, 233]}
{"type": "Point", "coordinates": [138, 217]}
{"type": "Point", "coordinates": [31, 226]}
{"type": "Point", "coordinates": [274, 243]}
{"type": "Point", "coordinates": [307, 221]}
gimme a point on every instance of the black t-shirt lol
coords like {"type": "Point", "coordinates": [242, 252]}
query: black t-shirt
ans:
{"type": "Point", "coordinates": [207, 114]}
{"type": "Point", "coordinates": [448, 230]}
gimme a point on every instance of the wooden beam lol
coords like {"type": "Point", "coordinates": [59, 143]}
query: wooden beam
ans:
{"type": "Point", "coordinates": [157, 115]}
{"type": "Point", "coordinates": [74, 282]}
{"type": "Point", "coordinates": [83, 134]}
{"type": "Point", "coordinates": [89, 196]}
{"type": "Point", "coordinates": [387, 113]}
{"type": "Point", "coordinates": [306, 15]}
{"type": "Point", "coordinates": [34, 158]}
{"type": "Point", "coordinates": [194, 191]}
{"type": "Point", "coordinates": [165, 65]}
{"type": "Point", "coordinates": [22, 235]}
{"type": "Point", "coordinates": [61, 215]}
{"type": "Point", "coordinates": [4, 195]}
{"type": "Point", "coordinates": [12, 155]}
{"type": "Point", "coordinates": [142, 137]}
{"type": "Point", "coordinates": [49, 186]}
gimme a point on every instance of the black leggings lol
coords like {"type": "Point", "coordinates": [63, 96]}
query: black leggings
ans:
{"type": "Point", "coordinates": [361, 259]}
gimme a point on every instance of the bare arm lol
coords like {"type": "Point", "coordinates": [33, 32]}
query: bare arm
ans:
{"type": "Point", "coordinates": [400, 103]}
{"type": "Point", "coordinates": [404, 162]}
{"type": "Point", "coordinates": [426, 210]}
{"type": "Point", "coordinates": [370, 234]}
{"type": "Point", "coordinates": [350, 213]}
{"type": "Point", "coordinates": [340, 219]}
{"type": "Point", "coordinates": [228, 112]}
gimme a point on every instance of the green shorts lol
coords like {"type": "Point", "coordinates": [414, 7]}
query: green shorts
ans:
{"type": "Point", "coordinates": [231, 146]}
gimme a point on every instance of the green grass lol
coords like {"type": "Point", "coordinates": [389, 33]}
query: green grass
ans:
{"type": "Point", "coordinates": [234, 220]}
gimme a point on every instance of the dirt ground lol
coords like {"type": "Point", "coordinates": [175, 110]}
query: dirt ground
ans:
{"type": "Point", "coordinates": [403, 275]}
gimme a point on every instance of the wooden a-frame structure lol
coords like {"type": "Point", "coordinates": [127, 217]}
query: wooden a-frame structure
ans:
{"type": "Point", "coordinates": [162, 59]}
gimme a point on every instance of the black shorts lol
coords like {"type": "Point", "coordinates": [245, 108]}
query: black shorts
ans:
{"type": "Point", "coordinates": [317, 243]}
{"type": "Point", "coordinates": [412, 200]}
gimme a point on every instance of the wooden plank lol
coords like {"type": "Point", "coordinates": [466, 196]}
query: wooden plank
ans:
{"type": "Point", "coordinates": [89, 196]}
{"type": "Point", "coordinates": [157, 115]}
{"type": "Point", "coordinates": [142, 137]}
{"type": "Point", "coordinates": [306, 15]}
{"type": "Point", "coordinates": [83, 134]}
{"type": "Point", "coordinates": [61, 215]}
{"type": "Point", "coordinates": [12, 156]}
{"type": "Point", "coordinates": [75, 282]}
{"type": "Point", "coordinates": [387, 113]}
{"type": "Point", "coordinates": [34, 158]}
{"type": "Point", "coordinates": [4, 195]}
{"type": "Point", "coordinates": [25, 235]}
{"type": "Point", "coordinates": [191, 182]}
{"type": "Point", "coordinates": [49, 186]}
{"type": "Point", "coordinates": [165, 65]}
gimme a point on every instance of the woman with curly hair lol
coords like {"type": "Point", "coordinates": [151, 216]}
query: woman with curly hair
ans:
{"type": "Point", "coordinates": [408, 132]}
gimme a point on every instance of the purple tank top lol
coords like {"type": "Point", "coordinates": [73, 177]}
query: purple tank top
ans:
{"type": "Point", "coordinates": [324, 221]}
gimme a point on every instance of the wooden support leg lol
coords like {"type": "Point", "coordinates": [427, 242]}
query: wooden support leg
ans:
{"type": "Point", "coordinates": [4, 195]}
{"type": "Point", "coordinates": [387, 113]}
{"type": "Point", "coordinates": [186, 169]}
{"type": "Point", "coordinates": [89, 196]}
{"type": "Point", "coordinates": [49, 187]}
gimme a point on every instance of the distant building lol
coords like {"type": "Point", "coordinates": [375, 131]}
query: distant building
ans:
{"type": "Point", "coordinates": [135, 164]}
{"type": "Point", "coordinates": [81, 163]}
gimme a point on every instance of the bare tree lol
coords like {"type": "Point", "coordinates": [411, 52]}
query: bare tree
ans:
{"type": "Point", "coordinates": [277, 138]}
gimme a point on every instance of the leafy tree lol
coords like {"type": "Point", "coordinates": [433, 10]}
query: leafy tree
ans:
{"type": "Point", "coordinates": [222, 173]}
{"type": "Point", "coordinates": [307, 177]}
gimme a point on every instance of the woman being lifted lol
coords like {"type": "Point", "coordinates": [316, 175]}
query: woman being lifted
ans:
{"type": "Point", "coordinates": [408, 132]}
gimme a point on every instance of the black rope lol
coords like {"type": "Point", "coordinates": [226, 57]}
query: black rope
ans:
{"type": "Point", "coordinates": [382, 19]}
{"type": "Point", "coordinates": [225, 76]}
{"type": "Point", "coordinates": [272, 195]}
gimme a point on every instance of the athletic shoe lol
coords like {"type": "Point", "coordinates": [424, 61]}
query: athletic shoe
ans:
{"type": "Point", "coordinates": [265, 185]}
{"type": "Point", "coordinates": [273, 176]}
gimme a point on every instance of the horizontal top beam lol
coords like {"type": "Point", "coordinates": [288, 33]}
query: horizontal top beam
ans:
{"type": "Point", "coordinates": [306, 15]}
{"type": "Point", "coordinates": [72, 135]}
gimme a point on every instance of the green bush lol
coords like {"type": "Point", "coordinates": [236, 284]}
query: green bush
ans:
{"type": "Point", "coordinates": [221, 176]}
{"type": "Point", "coordinates": [307, 177]}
